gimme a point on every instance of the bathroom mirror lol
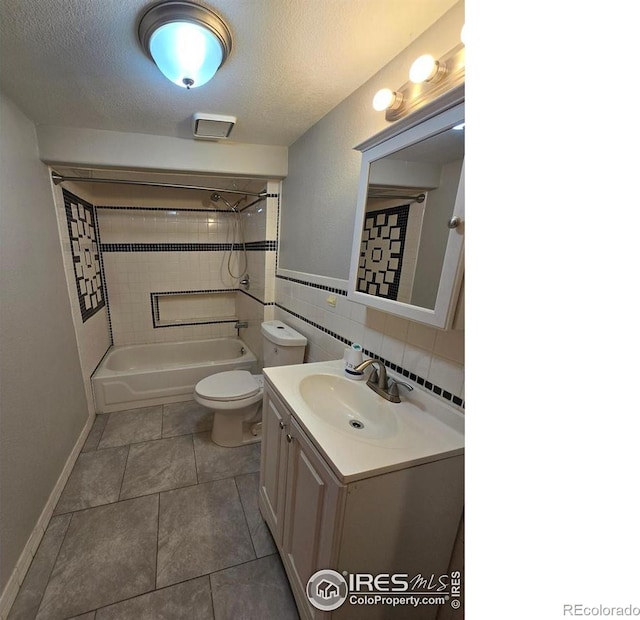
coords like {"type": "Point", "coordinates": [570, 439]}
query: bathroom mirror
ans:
{"type": "Point", "coordinates": [408, 245]}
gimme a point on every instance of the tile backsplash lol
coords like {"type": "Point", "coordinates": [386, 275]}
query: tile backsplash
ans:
{"type": "Point", "coordinates": [433, 358]}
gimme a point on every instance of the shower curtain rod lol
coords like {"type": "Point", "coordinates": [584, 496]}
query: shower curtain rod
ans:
{"type": "Point", "coordinates": [418, 198]}
{"type": "Point", "coordinates": [58, 178]}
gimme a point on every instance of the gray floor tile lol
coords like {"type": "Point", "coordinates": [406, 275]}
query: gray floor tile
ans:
{"type": "Point", "coordinates": [201, 529]}
{"type": "Point", "coordinates": [25, 607]}
{"type": "Point", "coordinates": [248, 486]}
{"type": "Point", "coordinates": [132, 426]}
{"type": "Point", "coordinates": [185, 418]}
{"type": "Point", "coordinates": [93, 438]}
{"type": "Point", "coordinates": [254, 591]}
{"type": "Point", "coordinates": [95, 480]}
{"type": "Point", "coordinates": [108, 555]}
{"type": "Point", "coordinates": [159, 465]}
{"type": "Point", "coordinates": [190, 600]}
{"type": "Point", "coordinates": [215, 462]}
{"type": "Point", "coordinates": [88, 616]}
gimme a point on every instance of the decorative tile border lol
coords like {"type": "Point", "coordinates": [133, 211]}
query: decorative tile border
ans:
{"type": "Point", "coordinates": [253, 246]}
{"type": "Point", "coordinates": [264, 303]}
{"type": "Point", "coordinates": [163, 209]}
{"type": "Point", "coordinates": [155, 309]}
{"type": "Point", "coordinates": [81, 224]}
{"type": "Point", "coordinates": [456, 400]}
{"type": "Point", "coordinates": [329, 289]}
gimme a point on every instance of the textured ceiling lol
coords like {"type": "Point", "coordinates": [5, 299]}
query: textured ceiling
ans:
{"type": "Point", "coordinates": [78, 63]}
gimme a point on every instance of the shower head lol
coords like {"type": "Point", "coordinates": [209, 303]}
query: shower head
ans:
{"type": "Point", "coordinates": [215, 197]}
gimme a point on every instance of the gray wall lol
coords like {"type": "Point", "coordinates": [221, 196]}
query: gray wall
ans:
{"type": "Point", "coordinates": [42, 402]}
{"type": "Point", "coordinates": [320, 192]}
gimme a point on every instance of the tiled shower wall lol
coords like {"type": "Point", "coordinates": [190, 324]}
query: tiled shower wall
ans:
{"type": "Point", "coordinates": [158, 250]}
{"type": "Point", "coordinates": [175, 249]}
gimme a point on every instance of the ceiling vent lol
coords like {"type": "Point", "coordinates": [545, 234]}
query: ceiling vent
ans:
{"type": "Point", "coordinates": [212, 126]}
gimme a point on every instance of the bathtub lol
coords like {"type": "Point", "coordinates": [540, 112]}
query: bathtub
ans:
{"type": "Point", "coordinates": [153, 374]}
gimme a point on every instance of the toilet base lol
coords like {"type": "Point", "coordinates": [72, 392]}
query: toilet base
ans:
{"type": "Point", "coordinates": [238, 427]}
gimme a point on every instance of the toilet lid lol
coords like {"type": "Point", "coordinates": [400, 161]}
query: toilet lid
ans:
{"type": "Point", "coordinates": [229, 385]}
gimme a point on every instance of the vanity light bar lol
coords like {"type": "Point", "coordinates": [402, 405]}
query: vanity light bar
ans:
{"type": "Point", "coordinates": [428, 79]}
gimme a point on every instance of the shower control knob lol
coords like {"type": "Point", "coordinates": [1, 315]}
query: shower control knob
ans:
{"type": "Point", "coordinates": [289, 438]}
{"type": "Point", "coordinates": [282, 425]}
{"type": "Point", "coordinates": [454, 222]}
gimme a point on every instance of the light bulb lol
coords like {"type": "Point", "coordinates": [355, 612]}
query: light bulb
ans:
{"type": "Point", "coordinates": [383, 99]}
{"type": "Point", "coordinates": [423, 69]}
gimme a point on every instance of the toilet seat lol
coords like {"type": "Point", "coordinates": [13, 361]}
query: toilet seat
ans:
{"type": "Point", "coordinates": [229, 386]}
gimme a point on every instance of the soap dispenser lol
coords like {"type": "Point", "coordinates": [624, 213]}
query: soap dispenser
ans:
{"type": "Point", "coordinates": [353, 358]}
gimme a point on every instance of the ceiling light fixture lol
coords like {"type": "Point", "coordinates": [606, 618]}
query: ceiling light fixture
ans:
{"type": "Point", "coordinates": [187, 42]}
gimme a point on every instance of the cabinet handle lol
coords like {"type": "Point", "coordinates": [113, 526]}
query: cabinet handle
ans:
{"type": "Point", "coordinates": [289, 438]}
{"type": "Point", "coordinates": [282, 425]}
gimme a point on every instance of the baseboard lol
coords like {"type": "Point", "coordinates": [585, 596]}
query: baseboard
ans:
{"type": "Point", "coordinates": [24, 561]}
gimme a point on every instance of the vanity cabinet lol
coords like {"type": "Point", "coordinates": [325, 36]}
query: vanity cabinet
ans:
{"type": "Point", "coordinates": [403, 521]}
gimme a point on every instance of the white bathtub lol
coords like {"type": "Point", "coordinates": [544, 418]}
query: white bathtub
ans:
{"type": "Point", "coordinates": [152, 374]}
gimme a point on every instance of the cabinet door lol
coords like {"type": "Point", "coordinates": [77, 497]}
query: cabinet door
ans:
{"type": "Point", "coordinates": [311, 514]}
{"type": "Point", "coordinates": [273, 469]}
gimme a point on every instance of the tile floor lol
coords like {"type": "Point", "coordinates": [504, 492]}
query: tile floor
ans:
{"type": "Point", "coordinates": [157, 522]}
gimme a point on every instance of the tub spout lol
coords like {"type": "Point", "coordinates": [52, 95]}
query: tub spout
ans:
{"type": "Point", "coordinates": [239, 325]}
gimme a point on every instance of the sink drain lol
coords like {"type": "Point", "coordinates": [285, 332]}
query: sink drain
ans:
{"type": "Point", "coordinates": [356, 424]}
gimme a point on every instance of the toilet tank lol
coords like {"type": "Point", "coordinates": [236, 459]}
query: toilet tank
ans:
{"type": "Point", "coordinates": [281, 344]}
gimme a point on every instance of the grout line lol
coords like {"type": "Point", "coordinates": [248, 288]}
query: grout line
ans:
{"type": "Point", "coordinates": [244, 512]}
{"type": "Point", "coordinates": [124, 471]}
{"type": "Point", "coordinates": [195, 457]}
{"type": "Point", "coordinates": [155, 572]}
{"type": "Point", "coordinates": [53, 565]}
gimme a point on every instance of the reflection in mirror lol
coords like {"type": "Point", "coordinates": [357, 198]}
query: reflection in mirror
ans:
{"type": "Point", "coordinates": [410, 200]}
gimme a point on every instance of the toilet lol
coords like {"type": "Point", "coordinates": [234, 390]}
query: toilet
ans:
{"type": "Point", "coordinates": [235, 396]}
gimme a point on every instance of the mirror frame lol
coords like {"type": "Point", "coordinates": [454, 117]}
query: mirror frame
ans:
{"type": "Point", "coordinates": [452, 270]}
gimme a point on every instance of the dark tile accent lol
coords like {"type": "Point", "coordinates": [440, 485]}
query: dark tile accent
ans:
{"type": "Point", "coordinates": [382, 250]}
{"type": "Point", "coordinates": [159, 465]}
{"type": "Point", "coordinates": [264, 303]}
{"type": "Point", "coordinates": [185, 418]}
{"type": "Point", "coordinates": [215, 462]}
{"type": "Point", "coordinates": [201, 529]}
{"type": "Point", "coordinates": [93, 438]}
{"type": "Point", "coordinates": [132, 426]}
{"type": "Point", "coordinates": [248, 487]}
{"type": "Point", "coordinates": [330, 289]}
{"type": "Point", "coordinates": [25, 607]}
{"type": "Point", "coordinates": [155, 309]}
{"type": "Point", "coordinates": [108, 554]}
{"type": "Point", "coordinates": [190, 600]}
{"type": "Point", "coordinates": [95, 480]}
{"type": "Point", "coordinates": [253, 246]}
{"type": "Point", "coordinates": [257, 589]}
{"type": "Point", "coordinates": [81, 224]}
{"type": "Point", "coordinates": [419, 380]}
{"type": "Point", "coordinates": [163, 209]}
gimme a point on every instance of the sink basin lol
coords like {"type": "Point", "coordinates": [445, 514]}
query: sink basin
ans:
{"type": "Point", "coordinates": [349, 406]}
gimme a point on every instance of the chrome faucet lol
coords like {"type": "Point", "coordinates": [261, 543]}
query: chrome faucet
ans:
{"type": "Point", "coordinates": [380, 383]}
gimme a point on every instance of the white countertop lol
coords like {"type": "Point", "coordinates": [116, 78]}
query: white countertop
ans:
{"type": "Point", "coordinates": [425, 428]}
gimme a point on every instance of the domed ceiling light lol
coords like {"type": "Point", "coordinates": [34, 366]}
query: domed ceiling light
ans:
{"type": "Point", "coordinates": [188, 42]}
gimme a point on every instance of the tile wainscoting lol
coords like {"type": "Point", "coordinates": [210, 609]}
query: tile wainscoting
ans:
{"type": "Point", "coordinates": [432, 358]}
